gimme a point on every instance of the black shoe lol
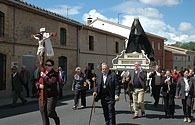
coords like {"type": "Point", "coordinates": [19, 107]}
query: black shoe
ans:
{"type": "Point", "coordinates": [13, 105]}
{"type": "Point", "coordinates": [57, 121]}
{"type": "Point", "coordinates": [24, 102]}
{"type": "Point", "coordinates": [155, 105]}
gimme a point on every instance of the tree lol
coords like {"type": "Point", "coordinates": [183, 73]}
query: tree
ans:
{"type": "Point", "coordinates": [187, 45]}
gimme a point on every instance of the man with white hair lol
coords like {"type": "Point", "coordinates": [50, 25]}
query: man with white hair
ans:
{"type": "Point", "coordinates": [156, 84]}
{"type": "Point", "coordinates": [108, 90]}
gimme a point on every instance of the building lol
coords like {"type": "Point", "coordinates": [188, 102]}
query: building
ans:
{"type": "Point", "coordinates": [179, 58]}
{"type": "Point", "coordinates": [157, 42]}
{"type": "Point", "coordinates": [76, 44]}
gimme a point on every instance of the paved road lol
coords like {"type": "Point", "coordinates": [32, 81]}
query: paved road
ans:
{"type": "Point", "coordinates": [30, 115]}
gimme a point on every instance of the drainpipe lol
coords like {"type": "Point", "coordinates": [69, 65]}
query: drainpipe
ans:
{"type": "Point", "coordinates": [163, 55]}
{"type": "Point", "coordinates": [14, 39]}
{"type": "Point", "coordinates": [79, 28]}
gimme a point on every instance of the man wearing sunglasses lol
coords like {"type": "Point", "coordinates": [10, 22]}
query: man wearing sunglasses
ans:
{"type": "Point", "coordinates": [50, 78]}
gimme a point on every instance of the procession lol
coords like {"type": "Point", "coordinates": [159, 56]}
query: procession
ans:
{"type": "Point", "coordinates": [56, 70]}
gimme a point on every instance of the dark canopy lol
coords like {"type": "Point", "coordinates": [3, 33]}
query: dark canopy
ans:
{"type": "Point", "coordinates": [138, 41]}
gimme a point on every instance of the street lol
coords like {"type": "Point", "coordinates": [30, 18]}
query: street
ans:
{"type": "Point", "coordinates": [30, 115]}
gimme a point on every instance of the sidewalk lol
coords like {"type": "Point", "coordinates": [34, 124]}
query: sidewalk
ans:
{"type": "Point", "coordinates": [8, 101]}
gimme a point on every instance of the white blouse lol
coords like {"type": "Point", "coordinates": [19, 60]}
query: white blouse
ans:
{"type": "Point", "coordinates": [187, 86]}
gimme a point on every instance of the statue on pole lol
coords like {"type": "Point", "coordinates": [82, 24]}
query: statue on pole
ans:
{"type": "Point", "coordinates": [138, 41]}
{"type": "Point", "coordinates": [45, 46]}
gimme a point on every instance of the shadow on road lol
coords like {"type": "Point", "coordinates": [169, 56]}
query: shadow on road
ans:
{"type": "Point", "coordinates": [123, 112]}
{"type": "Point", "coordinates": [127, 124]}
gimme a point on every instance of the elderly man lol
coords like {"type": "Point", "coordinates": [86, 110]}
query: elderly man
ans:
{"type": "Point", "coordinates": [17, 83]}
{"type": "Point", "coordinates": [156, 84]}
{"type": "Point", "coordinates": [107, 89]}
{"type": "Point", "coordinates": [137, 78]}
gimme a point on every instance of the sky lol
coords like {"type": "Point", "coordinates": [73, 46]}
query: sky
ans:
{"type": "Point", "coordinates": [172, 19]}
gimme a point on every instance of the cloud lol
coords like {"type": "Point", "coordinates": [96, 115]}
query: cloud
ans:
{"type": "Point", "coordinates": [150, 18]}
{"type": "Point", "coordinates": [94, 15]}
{"type": "Point", "coordinates": [161, 2]}
{"type": "Point", "coordinates": [62, 10]}
{"type": "Point", "coordinates": [186, 27]}
{"type": "Point", "coordinates": [138, 8]}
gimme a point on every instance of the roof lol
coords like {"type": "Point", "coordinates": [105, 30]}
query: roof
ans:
{"type": "Point", "coordinates": [35, 9]}
{"type": "Point", "coordinates": [179, 49]}
{"type": "Point", "coordinates": [126, 27]}
{"type": "Point", "coordinates": [102, 31]}
{"type": "Point", "coordinates": [174, 51]}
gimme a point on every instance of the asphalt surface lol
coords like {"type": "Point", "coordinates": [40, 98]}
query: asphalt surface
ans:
{"type": "Point", "coordinates": [29, 114]}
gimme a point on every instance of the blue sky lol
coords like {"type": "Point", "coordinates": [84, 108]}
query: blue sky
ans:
{"type": "Point", "coordinates": [172, 19]}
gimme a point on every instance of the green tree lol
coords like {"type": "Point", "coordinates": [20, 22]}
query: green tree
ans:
{"type": "Point", "coordinates": [187, 45]}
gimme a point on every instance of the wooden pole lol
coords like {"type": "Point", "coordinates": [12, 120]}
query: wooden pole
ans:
{"type": "Point", "coordinates": [42, 81]}
{"type": "Point", "coordinates": [93, 106]}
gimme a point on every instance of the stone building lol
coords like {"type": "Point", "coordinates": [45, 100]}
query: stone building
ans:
{"type": "Point", "coordinates": [179, 58]}
{"type": "Point", "coordinates": [76, 44]}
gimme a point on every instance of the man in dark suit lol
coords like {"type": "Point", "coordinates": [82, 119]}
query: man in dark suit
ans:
{"type": "Point", "coordinates": [108, 90]}
{"type": "Point", "coordinates": [137, 84]}
{"type": "Point", "coordinates": [168, 83]}
{"type": "Point", "coordinates": [17, 84]}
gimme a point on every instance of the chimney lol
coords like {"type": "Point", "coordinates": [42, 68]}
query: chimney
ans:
{"type": "Point", "coordinates": [89, 20]}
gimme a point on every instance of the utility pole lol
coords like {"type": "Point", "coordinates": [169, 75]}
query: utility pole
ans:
{"type": "Point", "coordinates": [118, 16]}
{"type": "Point", "coordinates": [67, 9]}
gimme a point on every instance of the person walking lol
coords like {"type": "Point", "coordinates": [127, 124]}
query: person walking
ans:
{"type": "Point", "coordinates": [35, 80]}
{"type": "Point", "coordinates": [155, 83]}
{"type": "Point", "coordinates": [61, 81]}
{"type": "Point", "coordinates": [137, 83]}
{"type": "Point", "coordinates": [17, 86]}
{"type": "Point", "coordinates": [50, 78]}
{"type": "Point", "coordinates": [79, 86]}
{"type": "Point", "coordinates": [168, 92]}
{"type": "Point", "coordinates": [107, 90]}
{"type": "Point", "coordinates": [185, 91]}
{"type": "Point", "coordinates": [26, 77]}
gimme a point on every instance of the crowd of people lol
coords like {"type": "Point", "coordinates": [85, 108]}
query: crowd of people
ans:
{"type": "Point", "coordinates": [106, 85]}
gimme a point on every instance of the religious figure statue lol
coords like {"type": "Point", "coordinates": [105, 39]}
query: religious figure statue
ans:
{"type": "Point", "coordinates": [44, 44]}
{"type": "Point", "coordinates": [138, 41]}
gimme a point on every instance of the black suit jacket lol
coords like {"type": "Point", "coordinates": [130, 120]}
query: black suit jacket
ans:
{"type": "Point", "coordinates": [112, 83]}
{"type": "Point", "coordinates": [165, 86]}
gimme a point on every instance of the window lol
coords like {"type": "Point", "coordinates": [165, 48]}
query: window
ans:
{"type": "Point", "coordinates": [3, 71]}
{"type": "Point", "coordinates": [1, 24]}
{"type": "Point", "coordinates": [159, 62]}
{"type": "Point", "coordinates": [188, 58]}
{"type": "Point", "coordinates": [158, 46]}
{"type": "Point", "coordinates": [91, 66]}
{"type": "Point", "coordinates": [194, 61]}
{"type": "Point", "coordinates": [91, 43]}
{"type": "Point", "coordinates": [116, 47]}
{"type": "Point", "coordinates": [62, 36]}
{"type": "Point", "coordinates": [63, 63]}
{"type": "Point", "coordinates": [153, 44]}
